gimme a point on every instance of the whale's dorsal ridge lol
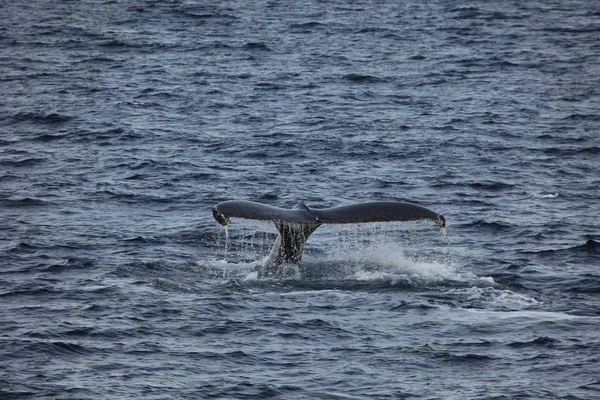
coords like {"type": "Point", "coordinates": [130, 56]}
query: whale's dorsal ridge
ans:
{"type": "Point", "coordinates": [301, 206]}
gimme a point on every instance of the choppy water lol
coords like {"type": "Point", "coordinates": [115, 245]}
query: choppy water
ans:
{"type": "Point", "coordinates": [122, 123]}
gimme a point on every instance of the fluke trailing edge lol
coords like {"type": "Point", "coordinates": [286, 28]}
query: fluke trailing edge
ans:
{"type": "Point", "coordinates": [297, 224]}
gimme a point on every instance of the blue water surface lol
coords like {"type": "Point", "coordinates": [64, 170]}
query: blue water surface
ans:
{"type": "Point", "coordinates": [122, 123]}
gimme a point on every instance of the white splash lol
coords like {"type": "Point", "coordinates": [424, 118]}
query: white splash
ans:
{"type": "Point", "coordinates": [223, 270]}
{"type": "Point", "coordinates": [389, 261]}
{"type": "Point", "coordinates": [370, 252]}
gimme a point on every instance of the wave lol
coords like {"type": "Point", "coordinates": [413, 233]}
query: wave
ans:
{"type": "Point", "coordinates": [586, 283]}
{"type": "Point", "coordinates": [489, 186]}
{"type": "Point", "coordinates": [306, 27]}
{"type": "Point", "coordinates": [24, 162]}
{"type": "Point", "coordinates": [54, 348]}
{"type": "Point", "coordinates": [134, 198]}
{"type": "Point", "coordinates": [590, 246]}
{"type": "Point", "coordinates": [469, 358]}
{"type": "Point", "coordinates": [572, 151]}
{"type": "Point", "coordinates": [24, 202]}
{"type": "Point", "coordinates": [488, 226]}
{"type": "Point", "coordinates": [584, 30]}
{"type": "Point", "coordinates": [363, 78]}
{"type": "Point", "coordinates": [71, 264]}
{"type": "Point", "coordinates": [50, 137]}
{"type": "Point", "coordinates": [249, 390]}
{"type": "Point", "coordinates": [257, 46]}
{"type": "Point", "coordinates": [41, 290]}
{"type": "Point", "coordinates": [143, 240]}
{"type": "Point", "coordinates": [543, 341]}
{"type": "Point", "coordinates": [97, 60]}
{"type": "Point", "coordinates": [207, 15]}
{"type": "Point", "coordinates": [115, 44]}
{"type": "Point", "coordinates": [38, 118]}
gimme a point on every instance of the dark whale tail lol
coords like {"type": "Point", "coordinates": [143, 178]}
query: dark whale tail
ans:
{"type": "Point", "coordinates": [297, 224]}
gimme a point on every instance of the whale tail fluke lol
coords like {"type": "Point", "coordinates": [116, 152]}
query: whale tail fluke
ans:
{"type": "Point", "coordinates": [296, 225]}
{"type": "Point", "coordinates": [377, 211]}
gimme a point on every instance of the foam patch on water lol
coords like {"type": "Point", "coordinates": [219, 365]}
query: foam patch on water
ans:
{"type": "Point", "coordinates": [251, 276]}
{"type": "Point", "coordinates": [225, 270]}
{"type": "Point", "coordinates": [388, 261]}
{"type": "Point", "coordinates": [493, 298]}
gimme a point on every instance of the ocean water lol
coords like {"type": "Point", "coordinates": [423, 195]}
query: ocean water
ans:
{"type": "Point", "coordinates": [122, 123]}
